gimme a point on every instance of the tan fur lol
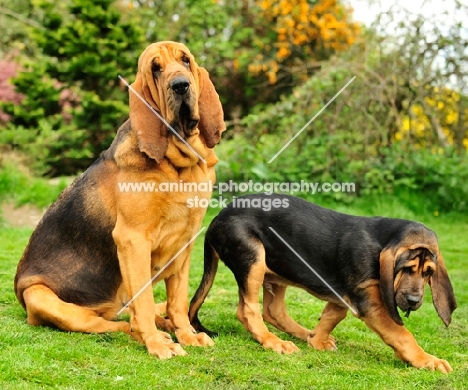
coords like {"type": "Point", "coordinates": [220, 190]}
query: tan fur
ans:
{"type": "Point", "coordinates": [399, 338]}
{"type": "Point", "coordinates": [248, 311]}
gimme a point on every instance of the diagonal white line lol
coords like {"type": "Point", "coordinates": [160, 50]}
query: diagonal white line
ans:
{"type": "Point", "coordinates": [160, 117]}
{"type": "Point", "coordinates": [161, 270]}
{"type": "Point", "coordinates": [315, 272]}
{"type": "Point", "coordinates": [310, 121]}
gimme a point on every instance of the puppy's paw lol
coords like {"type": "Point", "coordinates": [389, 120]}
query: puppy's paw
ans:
{"type": "Point", "coordinates": [326, 343]}
{"type": "Point", "coordinates": [433, 363]}
{"type": "Point", "coordinates": [280, 346]}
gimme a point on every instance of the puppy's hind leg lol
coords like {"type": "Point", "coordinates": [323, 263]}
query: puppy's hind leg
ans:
{"type": "Point", "coordinates": [275, 313]}
{"type": "Point", "coordinates": [248, 311]}
{"type": "Point", "coordinates": [161, 320]}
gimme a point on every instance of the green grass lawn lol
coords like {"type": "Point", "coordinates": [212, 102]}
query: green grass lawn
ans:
{"type": "Point", "coordinates": [34, 358]}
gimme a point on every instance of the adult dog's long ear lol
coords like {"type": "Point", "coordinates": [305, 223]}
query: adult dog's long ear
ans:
{"type": "Point", "coordinates": [387, 292]}
{"type": "Point", "coordinates": [150, 131]}
{"type": "Point", "coordinates": [442, 292]}
{"type": "Point", "coordinates": [211, 123]}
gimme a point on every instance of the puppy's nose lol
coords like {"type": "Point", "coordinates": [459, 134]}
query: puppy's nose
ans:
{"type": "Point", "coordinates": [413, 299]}
{"type": "Point", "coordinates": [180, 85]}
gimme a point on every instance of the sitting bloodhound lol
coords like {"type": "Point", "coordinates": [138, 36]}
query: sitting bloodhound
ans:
{"type": "Point", "coordinates": [98, 245]}
{"type": "Point", "coordinates": [368, 265]}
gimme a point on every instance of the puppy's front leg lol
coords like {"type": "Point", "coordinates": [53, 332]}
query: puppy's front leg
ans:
{"type": "Point", "coordinates": [398, 337]}
{"type": "Point", "coordinates": [177, 306]}
{"type": "Point", "coordinates": [134, 253]}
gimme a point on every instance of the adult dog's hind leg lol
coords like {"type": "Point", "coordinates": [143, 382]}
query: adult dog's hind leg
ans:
{"type": "Point", "coordinates": [161, 319]}
{"type": "Point", "coordinates": [274, 312]}
{"type": "Point", "coordinates": [44, 307]}
{"type": "Point", "coordinates": [248, 311]}
{"type": "Point", "coordinates": [320, 338]}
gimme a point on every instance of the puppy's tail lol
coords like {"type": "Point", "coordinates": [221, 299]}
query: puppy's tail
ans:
{"type": "Point", "coordinates": [211, 260]}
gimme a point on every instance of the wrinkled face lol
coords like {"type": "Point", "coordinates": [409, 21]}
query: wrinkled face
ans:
{"type": "Point", "coordinates": [172, 84]}
{"type": "Point", "coordinates": [413, 269]}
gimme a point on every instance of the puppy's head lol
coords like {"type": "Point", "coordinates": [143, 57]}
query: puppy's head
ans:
{"type": "Point", "coordinates": [406, 266]}
{"type": "Point", "coordinates": [172, 84]}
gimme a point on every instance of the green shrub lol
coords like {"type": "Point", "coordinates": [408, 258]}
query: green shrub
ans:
{"type": "Point", "coordinates": [440, 176]}
{"type": "Point", "coordinates": [10, 180]}
{"type": "Point", "coordinates": [421, 178]}
{"type": "Point", "coordinates": [19, 188]}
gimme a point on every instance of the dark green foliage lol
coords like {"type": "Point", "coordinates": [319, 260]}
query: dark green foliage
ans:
{"type": "Point", "coordinates": [73, 98]}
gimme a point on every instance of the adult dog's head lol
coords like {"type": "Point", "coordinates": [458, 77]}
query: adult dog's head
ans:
{"type": "Point", "coordinates": [407, 265]}
{"type": "Point", "coordinates": [181, 92]}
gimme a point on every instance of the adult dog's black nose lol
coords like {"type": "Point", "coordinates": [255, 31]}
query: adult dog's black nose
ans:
{"type": "Point", "coordinates": [413, 299]}
{"type": "Point", "coordinates": [180, 85]}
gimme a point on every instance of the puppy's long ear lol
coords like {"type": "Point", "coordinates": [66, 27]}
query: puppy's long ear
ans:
{"type": "Point", "coordinates": [387, 292]}
{"type": "Point", "coordinates": [211, 123]}
{"type": "Point", "coordinates": [442, 292]}
{"type": "Point", "coordinates": [150, 131]}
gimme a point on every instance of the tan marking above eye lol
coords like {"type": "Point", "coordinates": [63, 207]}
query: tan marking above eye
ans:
{"type": "Point", "coordinates": [429, 266]}
{"type": "Point", "coordinates": [412, 265]}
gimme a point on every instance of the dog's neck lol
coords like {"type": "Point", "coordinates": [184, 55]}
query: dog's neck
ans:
{"type": "Point", "coordinates": [180, 154]}
{"type": "Point", "coordinates": [189, 152]}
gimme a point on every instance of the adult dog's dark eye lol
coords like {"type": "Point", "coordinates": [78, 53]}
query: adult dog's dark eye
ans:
{"type": "Point", "coordinates": [186, 61]}
{"type": "Point", "coordinates": [156, 69]}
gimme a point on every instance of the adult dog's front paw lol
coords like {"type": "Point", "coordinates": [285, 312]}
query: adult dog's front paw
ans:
{"type": "Point", "coordinates": [163, 347]}
{"type": "Point", "coordinates": [195, 339]}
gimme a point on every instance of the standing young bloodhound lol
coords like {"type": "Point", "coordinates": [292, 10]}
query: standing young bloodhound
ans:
{"type": "Point", "coordinates": [371, 265]}
{"type": "Point", "coordinates": [97, 246]}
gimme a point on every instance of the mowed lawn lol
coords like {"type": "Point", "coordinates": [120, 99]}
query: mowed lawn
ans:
{"type": "Point", "coordinates": [35, 358]}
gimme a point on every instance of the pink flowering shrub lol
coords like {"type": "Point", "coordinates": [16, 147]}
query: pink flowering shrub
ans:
{"type": "Point", "coordinates": [8, 69]}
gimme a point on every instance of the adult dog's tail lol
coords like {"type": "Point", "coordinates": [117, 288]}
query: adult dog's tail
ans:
{"type": "Point", "coordinates": [211, 260]}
